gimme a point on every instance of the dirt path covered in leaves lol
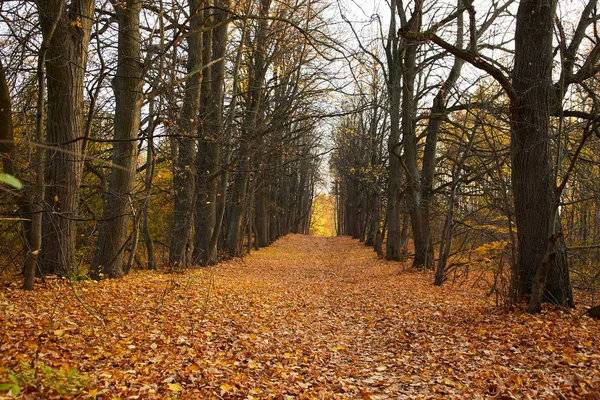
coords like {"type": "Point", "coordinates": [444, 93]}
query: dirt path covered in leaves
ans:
{"type": "Point", "coordinates": [306, 318]}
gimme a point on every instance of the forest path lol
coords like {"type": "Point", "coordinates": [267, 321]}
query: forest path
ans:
{"type": "Point", "coordinates": [305, 318]}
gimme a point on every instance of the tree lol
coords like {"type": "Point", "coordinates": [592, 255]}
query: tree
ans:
{"type": "Point", "coordinates": [542, 269]}
{"type": "Point", "coordinates": [208, 167]}
{"type": "Point", "coordinates": [184, 177]}
{"type": "Point", "coordinates": [118, 199]}
{"type": "Point", "coordinates": [65, 65]}
{"type": "Point", "coordinates": [393, 250]}
{"type": "Point", "coordinates": [6, 131]}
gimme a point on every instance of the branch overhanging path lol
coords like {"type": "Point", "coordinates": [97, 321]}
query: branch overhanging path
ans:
{"type": "Point", "coordinates": [304, 318]}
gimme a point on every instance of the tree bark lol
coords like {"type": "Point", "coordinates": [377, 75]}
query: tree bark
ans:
{"type": "Point", "coordinates": [256, 78]}
{"type": "Point", "coordinates": [118, 199]}
{"type": "Point", "coordinates": [65, 65]}
{"type": "Point", "coordinates": [393, 249]}
{"type": "Point", "coordinates": [32, 203]}
{"type": "Point", "coordinates": [532, 171]}
{"type": "Point", "coordinates": [418, 206]}
{"type": "Point", "coordinates": [6, 129]}
{"type": "Point", "coordinates": [262, 211]}
{"type": "Point", "coordinates": [184, 177]}
{"type": "Point", "coordinates": [211, 133]}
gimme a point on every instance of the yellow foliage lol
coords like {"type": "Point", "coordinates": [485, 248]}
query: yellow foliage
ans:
{"type": "Point", "coordinates": [491, 248]}
{"type": "Point", "coordinates": [322, 220]}
{"type": "Point", "coordinates": [492, 228]}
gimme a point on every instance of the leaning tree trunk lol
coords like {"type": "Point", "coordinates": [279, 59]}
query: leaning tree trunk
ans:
{"type": "Point", "coordinates": [31, 202]}
{"type": "Point", "coordinates": [118, 199]}
{"type": "Point", "coordinates": [65, 65]}
{"type": "Point", "coordinates": [532, 171]}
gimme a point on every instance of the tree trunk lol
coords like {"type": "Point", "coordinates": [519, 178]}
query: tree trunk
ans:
{"type": "Point", "coordinates": [532, 172]}
{"type": "Point", "coordinates": [262, 213]}
{"type": "Point", "coordinates": [32, 201]}
{"type": "Point", "coordinates": [393, 249]}
{"type": "Point", "coordinates": [256, 78]}
{"type": "Point", "coordinates": [118, 200]}
{"type": "Point", "coordinates": [211, 135]}
{"type": "Point", "coordinates": [6, 130]}
{"type": "Point", "coordinates": [184, 179]}
{"type": "Point", "coordinates": [65, 65]}
{"type": "Point", "coordinates": [418, 207]}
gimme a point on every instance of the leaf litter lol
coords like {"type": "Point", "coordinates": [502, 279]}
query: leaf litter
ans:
{"type": "Point", "coordinates": [306, 318]}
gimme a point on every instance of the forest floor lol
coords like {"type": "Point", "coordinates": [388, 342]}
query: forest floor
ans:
{"type": "Point", "coordinates": [306, 318]}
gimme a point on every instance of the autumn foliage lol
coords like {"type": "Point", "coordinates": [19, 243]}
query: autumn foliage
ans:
{"type": "Point", "coordinates": [306, 318]}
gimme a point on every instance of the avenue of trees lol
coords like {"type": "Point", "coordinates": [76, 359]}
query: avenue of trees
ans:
{"type": "Point", "coordinates": [174, 133]}
{"type": "Point", "coordinates": [140, 130]}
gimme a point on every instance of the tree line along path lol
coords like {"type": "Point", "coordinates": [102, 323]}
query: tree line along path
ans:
{"type": "Point", "coordinates": [306, 318]}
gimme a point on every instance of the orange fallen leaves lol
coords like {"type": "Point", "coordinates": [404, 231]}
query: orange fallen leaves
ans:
{"type": "Point", "coordinates": [305, 318]}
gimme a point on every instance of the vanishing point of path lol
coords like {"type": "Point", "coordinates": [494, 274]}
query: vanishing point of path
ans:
{"type": "Point", "coordinates": [306, 318]}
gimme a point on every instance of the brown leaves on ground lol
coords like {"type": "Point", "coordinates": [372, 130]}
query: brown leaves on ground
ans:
{"type": "Point", "coordinates": [305, 318]}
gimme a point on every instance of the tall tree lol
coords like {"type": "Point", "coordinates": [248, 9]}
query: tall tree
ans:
{"type": "Point", "coordinates": [118, 199]}
{"type": "Point", "coordinates": [184, 176]}
{"type": "Point", "coordinates": [257, 71]}
{"type": "Point", "coordinates": [393, 249]}
{"type": "Point", "coordinates": [65, 65]}
{"type": "Point", "coordinates": [533, 179]}
{"type": "Point", "coordinates": [417, 205]}
{"type": "Point", "coordinates": [211, 137]}
{"type": "Point", "coordinates": [6, 129]}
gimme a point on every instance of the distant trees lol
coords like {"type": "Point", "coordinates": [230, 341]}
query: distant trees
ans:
{"type": "Point", "coordinates": [359, 162]}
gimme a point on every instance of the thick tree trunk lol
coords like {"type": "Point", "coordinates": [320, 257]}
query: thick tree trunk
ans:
{"type": "Point", "coordinates": [211, 134]}
{"type": "Point", "coordinates": [184, 177]}
{"type": "Point", "coordinates": [532, 171]}
{"type": "Point", "coordinates": [65, 66]}
{"type": "Point", "coordinates": [118, 200]}
{"type": "Point", "coordinates": [393, 250]}
{"type": "Point", "coordinates": [419, 220]}
{"type": "Point", "coordinates": [418, 207]}
{"type": "Point", "coordinates": [250, 124]}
